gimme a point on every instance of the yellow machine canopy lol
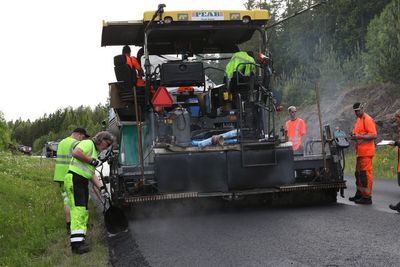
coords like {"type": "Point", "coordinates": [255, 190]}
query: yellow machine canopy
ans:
{"type": "Point", "coordinates": [196, 31]}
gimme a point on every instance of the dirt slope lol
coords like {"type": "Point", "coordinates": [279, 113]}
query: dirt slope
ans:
{"type": "Point", "coordinates": [381, 103]}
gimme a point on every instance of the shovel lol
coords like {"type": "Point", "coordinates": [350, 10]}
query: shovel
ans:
{"type": "Point", "coordinates": [115, 219]}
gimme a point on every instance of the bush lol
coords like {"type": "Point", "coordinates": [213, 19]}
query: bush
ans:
{"type": "Point", "coordinates": [383, 43]}
{"type": "Point", "coordinates": [5, 135]}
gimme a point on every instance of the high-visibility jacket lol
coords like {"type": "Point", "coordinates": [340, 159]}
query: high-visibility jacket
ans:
{"type": "Point", "coordinates": [134, 64]}
{"type": "Point", "coordinates": [84, 169]}
{"type": "Point", "coordinates": [235, 64]}
{"type": "Point", "coordinates": [64, 155]}
{"type": "Point", "coordinates": [365, 125]}
{"type": "Point", "coordinates": [398, 152]}
{"type": "Point", "coordinates": [398, 160]}
{"type": "Point", "coordinates": [295, 130]}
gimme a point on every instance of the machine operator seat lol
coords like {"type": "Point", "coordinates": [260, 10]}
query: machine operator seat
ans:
{"type": "Point", "coordinates": [240, 83]}
{"type": "Point", "coordinates": [126, 78]}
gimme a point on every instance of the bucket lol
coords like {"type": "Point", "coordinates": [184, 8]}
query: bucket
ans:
{"type": "Point", "coordinates": [181, 126]}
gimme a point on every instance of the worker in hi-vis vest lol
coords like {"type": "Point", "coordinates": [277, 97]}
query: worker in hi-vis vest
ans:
{"type": "Point", "coordinates": [295, 129]}
{"type": "Point", "coordinates": [82, 170]}
{"type": "Point", "coordinates": [364, 133]}
{"type": "Point", "coordinates": [64, 155]}
{"type": "Point", "coordinates": [397, 143]}
{"type": "Point", "coordinates": [238, 63]}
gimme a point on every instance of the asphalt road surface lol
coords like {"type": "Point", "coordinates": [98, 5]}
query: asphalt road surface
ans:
{"type": "Point", "coordinates": [342, 234]}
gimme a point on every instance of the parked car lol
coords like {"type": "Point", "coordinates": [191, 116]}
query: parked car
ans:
{"type": "Point", "coordinates": [50, 149]}
{"type": "Point", "coordinates": [26, 150]}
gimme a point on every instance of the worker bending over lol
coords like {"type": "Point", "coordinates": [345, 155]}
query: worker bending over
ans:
{"type": "Point", "coordinates": [64, 155]}
{"type": "Point", "coordinates": [81, 171]}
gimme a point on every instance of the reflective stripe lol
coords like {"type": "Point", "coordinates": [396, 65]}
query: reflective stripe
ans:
{"type": "Point", "coordinates": [76, 232]}
{"type": "Point", "coordinates": [64, 155]}
{"type": "Point", "coordinates": [77, 239]}
{"type": "Point", "coordinates": [84, 169]}
{"type": "Point", "coordinates": [82, 166]}
{"type": "Point", "coordinates": [63, 162]}
{"type": "Point", "coordinates": [65, 197]}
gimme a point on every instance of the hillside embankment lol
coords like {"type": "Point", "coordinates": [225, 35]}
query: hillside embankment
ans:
{"type": "Point", "coordinates": [381, 102]}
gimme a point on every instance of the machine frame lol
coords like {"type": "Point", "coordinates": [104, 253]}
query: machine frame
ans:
{"type": "Point", "coordinates": [158, 156]}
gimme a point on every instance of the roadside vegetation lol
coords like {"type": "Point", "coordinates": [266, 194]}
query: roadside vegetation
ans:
{"type": "Point", "coordinates": [32, 224]}
{"type": "Point", "coordinates": [384, 163]}
{"type": "Point", "coordinates": [54, 126]}
{"type": "Point", "coordinates": [345, 44]}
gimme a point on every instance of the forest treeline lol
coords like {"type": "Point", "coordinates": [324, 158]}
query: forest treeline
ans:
{"type": "Point", "coordinates": [340, 44]}
{"type": "Point", "coordinates": [52, 127]}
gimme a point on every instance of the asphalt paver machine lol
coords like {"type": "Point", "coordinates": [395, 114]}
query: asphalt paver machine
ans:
{"type": "Point", "coordinates": [192, 131]}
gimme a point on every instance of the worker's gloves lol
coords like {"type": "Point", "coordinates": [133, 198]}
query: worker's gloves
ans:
{"type": "Point", "coordinates": [94, 162]}
{"type": "Point", "coordinates": [104, 193]}
{"type": "Point", "coordinates": [141, 73]}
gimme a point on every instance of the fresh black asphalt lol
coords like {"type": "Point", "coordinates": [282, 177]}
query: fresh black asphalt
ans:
{"type": "Point", "coordinates": [193, 234]}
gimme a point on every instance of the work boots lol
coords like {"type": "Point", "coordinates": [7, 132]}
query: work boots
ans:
{"type": "Point", "coordinates": [356, 196]}
{"type": "Point", "coordinates": [395, 207]}
{"type": "Point", "coordinates": [79, 248]}
{"type": "Point", "coordinates": [364, 200]}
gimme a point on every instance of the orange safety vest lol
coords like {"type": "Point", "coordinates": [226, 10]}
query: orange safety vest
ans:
{"type": "Point", "coordinates": [365, 125]}
{"type": "Point", "coordinates": [295, 130]}
{"type": "Point", "coordinates": [133, 63]}
{"type": "Point", "coordinates": [398, 152]}
{"type": "Point", "coordinates": [398, 159]}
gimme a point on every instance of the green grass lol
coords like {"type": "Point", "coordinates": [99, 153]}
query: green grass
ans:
{"type": "Point", "coordinates": [384, 163]}
{"type": "Point", "coordinates": [32, 225]}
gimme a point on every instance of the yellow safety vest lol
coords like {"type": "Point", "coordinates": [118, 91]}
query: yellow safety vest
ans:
{"type": "Point", "coordinates": [84, 169]}
{"type": "Point", "coordinates": [64, 155]}
{"type": "Point", "coordinates": [235, 64]}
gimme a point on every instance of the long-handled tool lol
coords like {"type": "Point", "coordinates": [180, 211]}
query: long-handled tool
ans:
{"type": "Point", "coordinates": [115, 219]}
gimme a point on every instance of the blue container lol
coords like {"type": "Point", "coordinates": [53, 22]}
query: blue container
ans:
{"type": "Point", "coordinates": [193, 110]}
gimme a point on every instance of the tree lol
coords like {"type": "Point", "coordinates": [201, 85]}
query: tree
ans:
{"type": "Point", "coordinates": [383, 45]}
{"type": "Point", "coordinates": [5, 135]}
{"type": "Point", "coordinates": [349, 20]}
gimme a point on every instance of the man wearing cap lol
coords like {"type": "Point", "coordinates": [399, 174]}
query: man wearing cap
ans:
{"type": "Point", "coordinates": [295, 130]}
{"type": "Point", "coordinates": [64, 151]}
{"type": "Point", "coordinates": [364, 133]}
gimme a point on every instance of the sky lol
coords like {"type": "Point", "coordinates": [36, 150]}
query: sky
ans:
{"type": "Point", "coordinates": [50, 52]}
